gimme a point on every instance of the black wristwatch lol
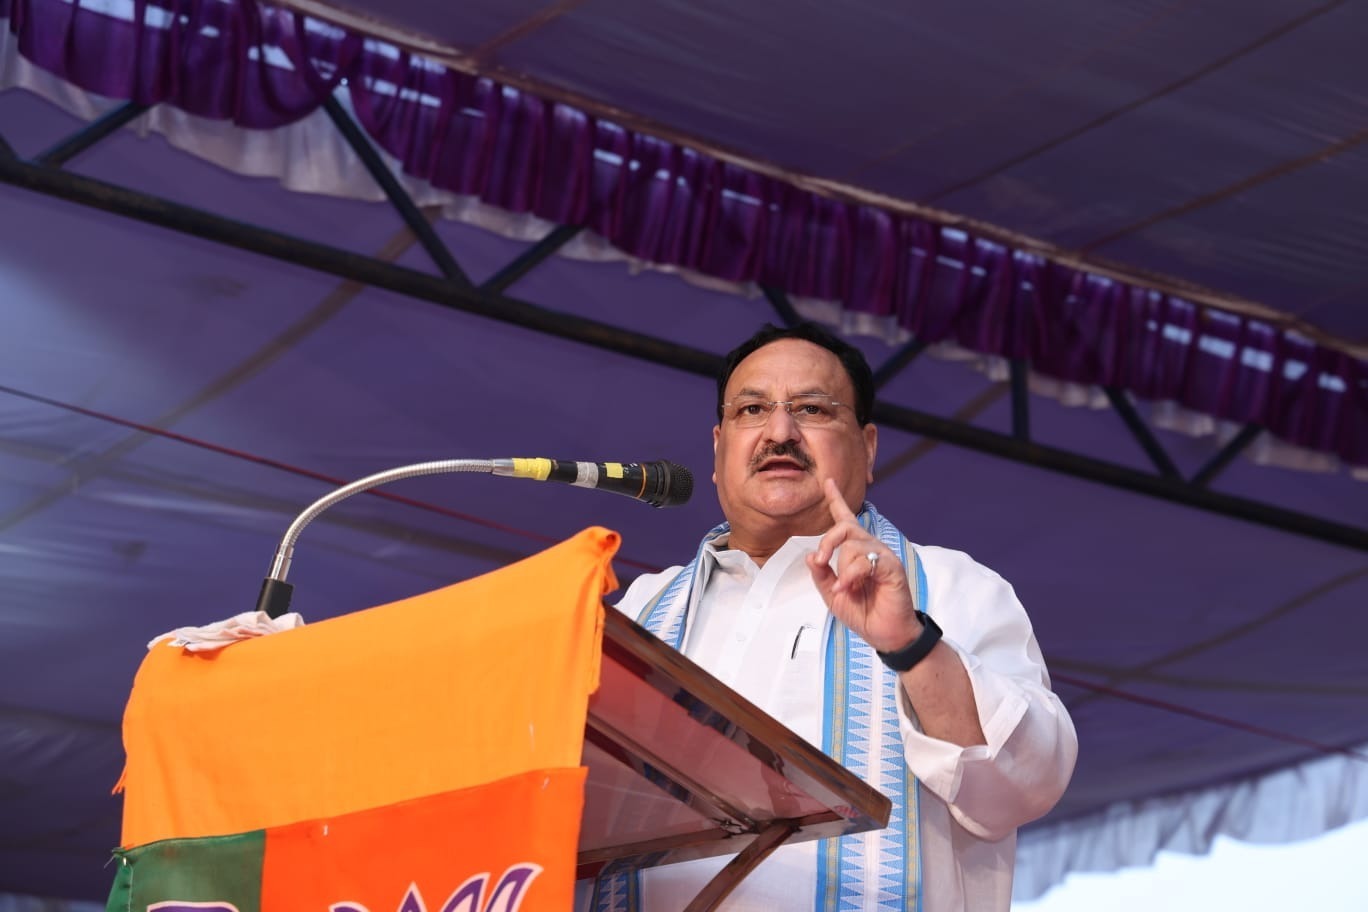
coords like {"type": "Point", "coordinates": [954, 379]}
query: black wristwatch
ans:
{"type": "Point", "coordinates": [903, 659]}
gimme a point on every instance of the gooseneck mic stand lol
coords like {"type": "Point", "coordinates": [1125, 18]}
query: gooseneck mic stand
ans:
{"type": "Point", "coordinates": [660, 484]}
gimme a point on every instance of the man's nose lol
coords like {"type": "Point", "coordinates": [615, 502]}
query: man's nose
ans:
{"type": "Point", "coordinates": [781, 425]}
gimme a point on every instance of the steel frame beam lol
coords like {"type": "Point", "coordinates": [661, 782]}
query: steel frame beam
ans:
{"type": "Point", "coordinates": [530, 258]}
{"type": "Point", "coordinates": [398, 197]}
{"type": "Point", "coordinates": [779, 300]}
{"type": "Point", "coordinates": [64, 151]}
{"type": "Point", "coordinates": [1122, 405]}
{"type": "Point", "coordinates": [490, 303]}
{"type": "Point", "coordinates": [897, 361]}
{"type": "Point", "coordinates": [1229, 452]}
{"type": "Point", "coordinates": [1021, 400]}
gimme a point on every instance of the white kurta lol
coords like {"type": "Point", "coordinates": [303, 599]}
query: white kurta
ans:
{"type": "Point", "coordinates": [759, 630]}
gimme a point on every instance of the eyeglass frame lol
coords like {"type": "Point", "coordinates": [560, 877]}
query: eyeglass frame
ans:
{"type": "Point", "coordinates": [770, 405]}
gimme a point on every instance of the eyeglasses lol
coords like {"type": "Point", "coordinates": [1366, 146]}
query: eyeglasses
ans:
{"type": "Point", "coordinates": [806, 411]}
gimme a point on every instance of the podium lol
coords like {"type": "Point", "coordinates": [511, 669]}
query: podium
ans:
{"type": "Point", "coordinates": [682, 767]}
{"type": "Point", "coordinates": [480, 746]}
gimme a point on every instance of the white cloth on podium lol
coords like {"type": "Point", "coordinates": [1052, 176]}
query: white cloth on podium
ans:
{"type": "Point", "coordinates": [242, 626]}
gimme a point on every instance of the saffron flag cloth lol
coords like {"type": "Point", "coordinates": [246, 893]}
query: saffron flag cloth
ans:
{"type": "Point", "coordinates": [422, 755]}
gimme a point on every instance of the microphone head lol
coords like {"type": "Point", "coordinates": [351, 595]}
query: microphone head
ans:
{"type": "Point", "coordinates": [675, 487]}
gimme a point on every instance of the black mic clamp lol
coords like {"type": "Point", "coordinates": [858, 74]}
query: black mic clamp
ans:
{"type": "Point", "coordinates": [659, 483]}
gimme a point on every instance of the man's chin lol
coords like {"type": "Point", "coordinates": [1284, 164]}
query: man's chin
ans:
{"type": "Point", "coordinates": [796, 507]}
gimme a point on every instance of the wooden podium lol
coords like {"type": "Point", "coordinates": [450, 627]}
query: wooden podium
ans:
{"type": "Point", "coordinates": [682, 767]}
{"type": "Point", "coordinates": [420, 746]}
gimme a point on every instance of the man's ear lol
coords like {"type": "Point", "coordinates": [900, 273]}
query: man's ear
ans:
{"type": "Point", "coordinates": [717, 432]}
{"type": "Point", "coordinates": [871, 439]}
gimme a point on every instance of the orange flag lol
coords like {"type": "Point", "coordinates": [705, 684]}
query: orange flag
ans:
{"type": "Point", "coordinates": [422, 755]}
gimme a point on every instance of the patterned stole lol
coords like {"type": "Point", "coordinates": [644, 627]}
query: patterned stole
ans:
{"type": "Point", "coordinates": [866, 871]}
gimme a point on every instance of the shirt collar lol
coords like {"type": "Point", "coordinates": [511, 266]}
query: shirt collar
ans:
{"type": "Point", "coordinates": [716, 552]}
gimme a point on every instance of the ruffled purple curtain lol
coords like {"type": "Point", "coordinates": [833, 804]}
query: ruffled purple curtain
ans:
{"type": "Point", "coordinates": [256, 66]}
{"type": "Point", "coordinates": [261, 68]}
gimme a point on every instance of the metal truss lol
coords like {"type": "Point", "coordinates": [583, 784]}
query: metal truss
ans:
{"type": "Point", "coordinates": [453, 288]}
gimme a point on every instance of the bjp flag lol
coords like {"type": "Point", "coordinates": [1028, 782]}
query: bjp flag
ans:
{"type": "Point", "coordinates": [422, 756]}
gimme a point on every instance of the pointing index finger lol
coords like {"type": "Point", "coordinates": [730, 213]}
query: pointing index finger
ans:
{"type": "Point", "coordinates": [840, 512]}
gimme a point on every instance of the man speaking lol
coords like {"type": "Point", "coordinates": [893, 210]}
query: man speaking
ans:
{"type": "Point", "coordinates": [913, 666]}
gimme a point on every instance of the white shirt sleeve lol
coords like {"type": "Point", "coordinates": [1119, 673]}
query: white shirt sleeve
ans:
{"type": "Point", "coordinates": [1023, 769]}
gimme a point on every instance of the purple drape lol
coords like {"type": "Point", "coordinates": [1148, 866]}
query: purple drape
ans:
{"type": "Point", "coordinates": [262, 67]}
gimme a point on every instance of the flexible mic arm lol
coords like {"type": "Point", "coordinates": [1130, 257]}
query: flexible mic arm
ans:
{"type": "Point", "coordinates": [661, 484]}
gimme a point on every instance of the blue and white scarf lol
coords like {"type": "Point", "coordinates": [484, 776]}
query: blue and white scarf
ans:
{"type": "Point", "coordinates": [876, 870]}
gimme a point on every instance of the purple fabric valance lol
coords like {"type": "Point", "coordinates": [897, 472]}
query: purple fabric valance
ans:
{"type": "Point", "coordinates": [261, 67]}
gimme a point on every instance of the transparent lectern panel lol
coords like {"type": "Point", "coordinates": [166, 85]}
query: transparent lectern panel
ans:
{"type": "Point", "coordinates": [623, 807]}
{"type": "Point", "coordinates": [682, 767]}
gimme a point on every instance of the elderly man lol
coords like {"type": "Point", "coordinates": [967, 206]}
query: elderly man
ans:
{"type": "Point", "coordinates": [817, 609]}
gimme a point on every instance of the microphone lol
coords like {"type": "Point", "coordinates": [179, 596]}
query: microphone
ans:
{"type": "Point", "coordinates": [659, 483]}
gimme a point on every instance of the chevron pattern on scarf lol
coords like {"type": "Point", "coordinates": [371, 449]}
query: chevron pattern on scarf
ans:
{"type": "Point", "coordinates": [878, 870]}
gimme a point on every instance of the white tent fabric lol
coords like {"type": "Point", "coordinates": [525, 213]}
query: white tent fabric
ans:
{"type": "Point", "coordinates": [1286, 805]}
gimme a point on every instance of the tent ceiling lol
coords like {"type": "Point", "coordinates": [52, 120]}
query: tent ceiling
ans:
{"type": "Point", "coordinates": [1192, 647]}
{"type": "Point", "coordinates": [1219, 143]}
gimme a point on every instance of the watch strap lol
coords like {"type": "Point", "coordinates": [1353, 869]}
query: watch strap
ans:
{"type": "Point", "coordinates": [905, 658]}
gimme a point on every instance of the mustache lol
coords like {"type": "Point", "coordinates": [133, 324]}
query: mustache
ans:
{"type": "Point", "coordinates": [788, 449]}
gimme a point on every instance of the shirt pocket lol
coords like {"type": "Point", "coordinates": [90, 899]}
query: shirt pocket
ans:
{"type": "Point", "coordinates": [798, 686]}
